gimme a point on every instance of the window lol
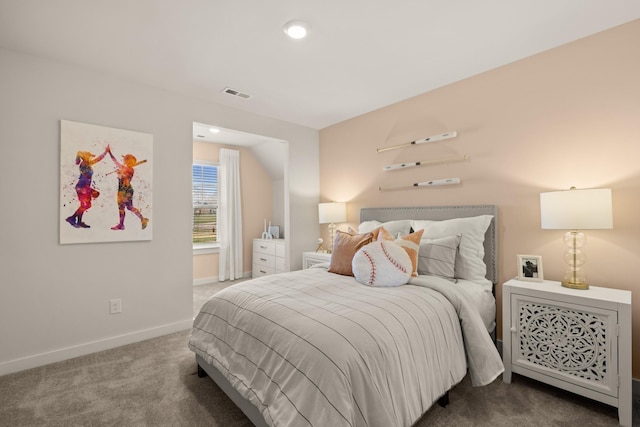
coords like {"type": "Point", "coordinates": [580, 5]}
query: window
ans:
{"type": "Point", "coordinates": [204, 178]}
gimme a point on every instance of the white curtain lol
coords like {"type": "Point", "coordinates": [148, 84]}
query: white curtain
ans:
{"type": "Point", "coordinates": [229, 215]}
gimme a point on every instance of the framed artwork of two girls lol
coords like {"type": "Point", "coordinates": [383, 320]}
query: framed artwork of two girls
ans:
{"type": "Point", "coordinates": [105, 184]}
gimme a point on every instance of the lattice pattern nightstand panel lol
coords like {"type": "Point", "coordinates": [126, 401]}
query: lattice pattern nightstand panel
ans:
{"type": "Point", "coordinates": [569, 341]}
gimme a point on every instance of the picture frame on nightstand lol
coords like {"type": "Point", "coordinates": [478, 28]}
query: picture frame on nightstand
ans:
{"type": "Point", "coordinates": [530, 268]}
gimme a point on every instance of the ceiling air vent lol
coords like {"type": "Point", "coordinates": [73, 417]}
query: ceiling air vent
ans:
{"type": "Point", "coordinates": [237, 93]}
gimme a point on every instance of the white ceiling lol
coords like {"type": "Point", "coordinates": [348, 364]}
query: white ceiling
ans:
{"type": "Point", "coordinates": [360, 55]}
{"type": "Point", "coordinates": [270, 152]}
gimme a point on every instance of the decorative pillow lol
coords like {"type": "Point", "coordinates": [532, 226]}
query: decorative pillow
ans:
{"type": "Point", "coordinates": [382, 263]}
{"type": "Point", "coordinates": [383, 234]}
{"type": "Point", "coordinates": [470, 259]}
{"type": "Point", "coordinates": [345, 246]}
{"type": "Point", "coordinates": [410, 243]}
{"type": "Point", "coordinates": [400, 227]}
{"type": "Point", "coordinates": [375, 232]}
{"type": "Point", "coordinates": [437, 257]}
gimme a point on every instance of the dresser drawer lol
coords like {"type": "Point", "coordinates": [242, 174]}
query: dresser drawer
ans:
{"type": "Point", "coordinates": [261, 270]}
{"type": "Point", "coordinates": [264, 259]}
{"type": "Point", "coordinates": [264, 247]}
{"type": "Point", "coordinates": [269, 257]}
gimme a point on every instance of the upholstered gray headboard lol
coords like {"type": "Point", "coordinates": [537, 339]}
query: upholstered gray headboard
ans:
{"type": "Point", "coordinates": [439, 213]}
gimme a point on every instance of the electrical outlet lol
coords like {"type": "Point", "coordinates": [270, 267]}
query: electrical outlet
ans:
{"type": "Point", "coordinates": [115, 306]}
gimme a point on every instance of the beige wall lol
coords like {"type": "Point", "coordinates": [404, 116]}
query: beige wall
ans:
{"type": "Point", "coordinates": [566, 117]}
{"type": "Point", "coordinates": [257, 204]}
{"type": "Point", "coordinates": [54, 299]}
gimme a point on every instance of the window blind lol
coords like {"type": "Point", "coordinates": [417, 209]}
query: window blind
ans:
{"type": "Point", "coordinates": [205, 202]}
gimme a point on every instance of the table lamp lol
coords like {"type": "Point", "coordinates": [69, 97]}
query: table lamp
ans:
{"type": "Point", "coordinates": [575, 210]}
{"type": "Point", "coordinates": [330, 213]}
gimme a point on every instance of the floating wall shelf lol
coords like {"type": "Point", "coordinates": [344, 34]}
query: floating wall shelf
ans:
{"type": "Point", "coordinates": [433, 183]}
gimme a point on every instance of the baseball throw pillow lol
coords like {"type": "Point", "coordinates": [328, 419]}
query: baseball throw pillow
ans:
{"type": "Point", "coordinates": [382, 263]}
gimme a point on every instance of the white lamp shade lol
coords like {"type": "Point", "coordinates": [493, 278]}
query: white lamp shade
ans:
{"type": "Point", "coordinates": [332, 212]}
{"type": "Point", "coordinates": [587, 209]}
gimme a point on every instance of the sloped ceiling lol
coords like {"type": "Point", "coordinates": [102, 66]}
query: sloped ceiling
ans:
{"type": "Point", "coordinates": [270, 152]}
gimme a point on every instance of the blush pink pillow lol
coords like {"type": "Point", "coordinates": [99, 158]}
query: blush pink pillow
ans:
{"type": "Point", "coordinates": [345, 246]}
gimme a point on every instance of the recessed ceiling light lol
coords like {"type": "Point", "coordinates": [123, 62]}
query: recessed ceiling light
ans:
{"type": "Point", "coordinates": [214, 130]}
{"type": "Point", "coordinates": [296, 29]}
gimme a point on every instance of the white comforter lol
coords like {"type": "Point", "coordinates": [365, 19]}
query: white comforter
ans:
{"type": "Point", "coordinates": [315, 348]}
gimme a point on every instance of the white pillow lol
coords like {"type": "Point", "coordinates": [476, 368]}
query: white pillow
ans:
{"type": "Point", "coordinates": [470, 259]}
{"type": "Point", "coordinates": [437, 257]}
{"type": "Point", "coordinates": [395, 228]}
{"type": "Point", "coordinates": [382, 263]}
{"type": "Point", "coordinates": [368, 226]}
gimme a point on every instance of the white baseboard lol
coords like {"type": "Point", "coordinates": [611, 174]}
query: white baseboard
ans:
{"type": "Point", "coordinates": [205, 281]}
{"type": "Point", "coordinates": [211, 280]}
{"type": "Point", "coordinates": [91, 347]}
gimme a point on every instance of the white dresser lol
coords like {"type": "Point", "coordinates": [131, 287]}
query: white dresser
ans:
{"type": "Point", "coordinates": [268, 257]}
{"type": "Point", "coordinates": [578, 340]}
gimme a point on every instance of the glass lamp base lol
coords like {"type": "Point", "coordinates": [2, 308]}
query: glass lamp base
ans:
{"type": "Point", "coordinates": [574, 276]}
{"type": "Point", "coordinates": [332, 235]}
{"type": "Point", "coordinates": [575, 285]}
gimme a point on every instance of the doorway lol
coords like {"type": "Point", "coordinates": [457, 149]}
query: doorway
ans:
{"type": "Point", "coordinates": [265, 196]}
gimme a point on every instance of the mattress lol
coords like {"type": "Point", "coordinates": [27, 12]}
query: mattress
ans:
{"type": "Point", "coordinates": [315, 348]}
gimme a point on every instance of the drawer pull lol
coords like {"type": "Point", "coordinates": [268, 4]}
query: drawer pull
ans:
{"type": "Point", "coordinates": [263, 259]}
{"type": "Point", "coordinates": [263, 247]}
{"type": "Point", "coordinates": [513, 329]}
{"type": "Point", "coordinates": [262, 271]}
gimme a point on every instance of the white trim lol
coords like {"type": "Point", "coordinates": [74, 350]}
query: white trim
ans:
{"type": "Point", "coordinates": [206, 248]}
{"type": "Point", "coordinates": [204, 162]}
{"type": "Point", "coordinates": [59, 355]}
{"type": "Point", "coordinates": [215, 279]}
{"type": "Point", "coordinates": [205, 281]}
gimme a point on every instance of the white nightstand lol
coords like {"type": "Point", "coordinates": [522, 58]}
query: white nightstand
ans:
{"type": "Point", "coordinates": [311, 258]}
{"type": "Point", "coordinates": [578, 340]}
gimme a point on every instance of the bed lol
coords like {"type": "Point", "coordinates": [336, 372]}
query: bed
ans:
{"type": "Point", "coordinates": [316, 348]}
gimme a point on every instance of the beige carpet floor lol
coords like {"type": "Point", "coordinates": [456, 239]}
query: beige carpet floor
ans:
{"type": "Point", "coordinates": [154, 383]}
{"type": "Point", "coordinates": [202, 293]}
